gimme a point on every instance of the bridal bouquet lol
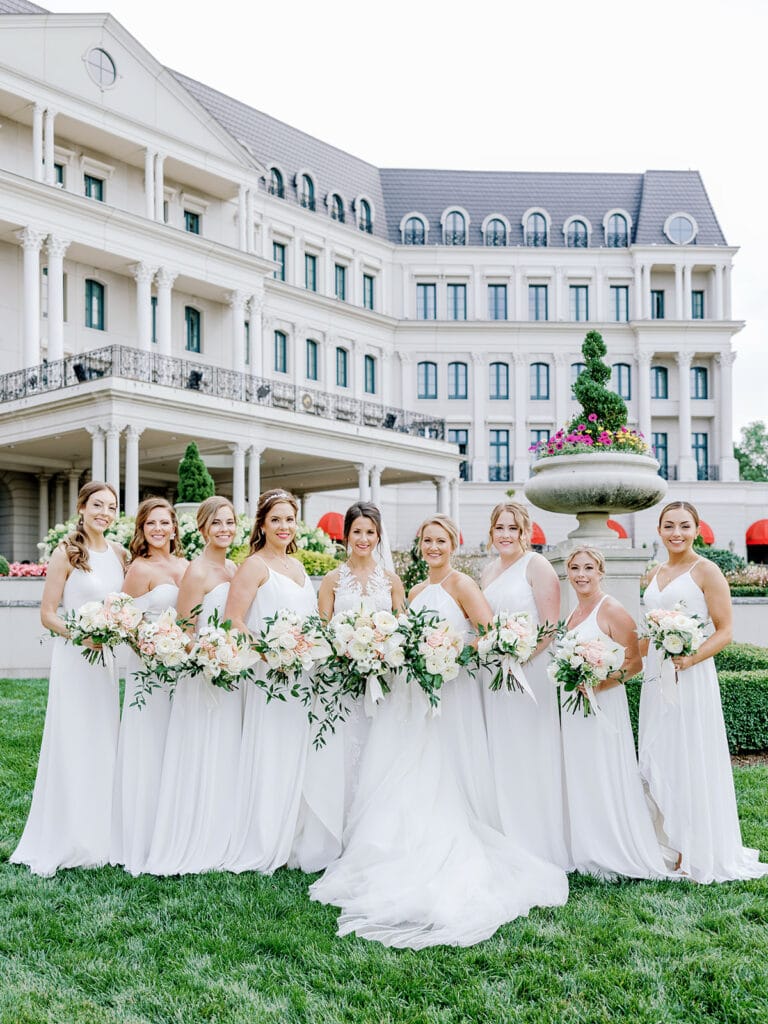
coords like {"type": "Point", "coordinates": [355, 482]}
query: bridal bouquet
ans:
{"type": "Point", "coordinates": [583, 663]}
{"type": "Point", "coordinates": [107, 623]}
{"type": "Point", "coordinates": [672, 633]}
{"type": "Point", "coordinates": [505, 645]}
{"type": "Point", "coordinates": [433, 651]}
{"type": "Point", "coordinates": [291, 645]}
{"type": "Point", "coordinates": [161, 644]}
{"type": "Point", "coordinates": [223, 654]}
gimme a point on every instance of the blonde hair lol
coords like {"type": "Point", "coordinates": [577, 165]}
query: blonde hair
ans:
{"type": "Point", "coordinates": [590, 552]}
{"type": "Point", "coordinates": [522, 518]}
{"type": "Point", "coordinates": [440, 519]}
{"type": "Point", "coordinates": [267, 502]}
{"type": "Point", "coordinates": [75, 543]}
{"type": "Point", "coordinates": [139, 548]}
{"type": "Point", "coordinates": [208, 510]}
{"type": "Point", "coordinates": [680, 504]}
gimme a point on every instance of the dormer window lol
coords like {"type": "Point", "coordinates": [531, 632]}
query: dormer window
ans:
{"type": "Point", "coordinates": [536, 230]}
{"type": "Point", "coordinates": [496, 232]}
{"type": "Point", "coordinates": [306, 192]}
{"type": "Point", "coordinates": [276, 187]}
{"type": "Point", "coordinates": [577, 235]}
{"type": "Point", "coordinates": [365, 218]}
{"type": "Point", "coordinates": [617, 232]}
{"type": "Point", "coordinates": [455, 229]}
{"type": "Point", "coordinates": [680, 229]}
{"type": "Point", "coordinates": [337, 208]}
{"type": "Point", "coordinates": [414, 232]}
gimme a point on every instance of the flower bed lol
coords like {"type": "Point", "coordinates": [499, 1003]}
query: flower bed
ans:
{"type": "Point", "coordinates": [27, 570]}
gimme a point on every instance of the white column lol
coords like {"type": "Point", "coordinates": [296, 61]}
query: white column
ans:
{"type": "Point", "coordinates": [297, 361]}
{"type": "Point", "coordinates": [159, 187]}
{"type": "Point", "coordinates": [454, 499]}
{"type": "Point", "coordinates": [236, 302]}
{"type": "Point", "coordinates": [256, 320]}
{"type": "Point", "coordinates": [560, 304]}
{"type": "Point", "coordinates": [354, 369]}
{"type": "Point", "coordinates": [242, 237]}
{"type": "Point", "coordinates": [31, 242]}
{"type": "Point", "coordinates": [679, 291]}
{"type": "Point", "coordinates": [561, 389]}
{"type": "Point", "coordinates": [97, 451]}
{"type": "Point", "coordinates": [644, 393]}
{"type": "Point", "coordinates": [376, 485]}
{"type": "Point", "coordinates": [254, 478]}
{"type": "Point", "coordinates": [385, 362]}
{"type": "Point", "coordinates": [687, 297]}
{"type": "Point", "coordinates": [636, 312]}
{"type": "Point", "coordinates": [521, 467]}
{"type": "Point", "coordinates": [249, 218]}
{"type": "Point", "coordinates": [42, 504]}
{"type": "Point", "coordinates": [646, 291]}
{"type": "Point", "coordinates": [718, 275]}
{"type": "Point", "coordinates": [132, 435]}
{"type": "Point", "coordinates": [48, 143]}
{"type": "Point", "coordinates": [73, 479]}
{"type": "Point", "coordinates": [407, 390]}
{"type": "Point", "coordinates": [113, 456]}
{"type": "Point", "coordinates": [599, 298]}
{"type": "Point", "coordinates": [729, 467]}
{"type": "Point", "coordinates": [442, 494]}
{"type": "Point", "coordinates": [687, 467]}
{"type": "Point", "coordinates": [143, 275]}
{"type": "Point", "coordinates": [521, 295]}
{"type": "Point", "coordinates": [165, 281]}
{"type": "Point", "coordinates": [149, 183]}
{"type": "Point", "coordinates": [479, 445]}
{"type": "Point", "coordinates": [56, 248]}
{"type": "Point", "coordinates": [58, 499]}
{"type": "Point", "coordinates": [363, 481]}
{"type": "Point", "coordinates": [238, 477]}
{"type": "Point", "coordinates": [37, 142]}
{"type": "Point", "coordinates": [727, 294]}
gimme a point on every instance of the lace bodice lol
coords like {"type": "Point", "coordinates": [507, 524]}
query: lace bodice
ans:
{"type": "Point", "coordinates": [106, 577]}
{"type": "Point", "coordinates": [349, 592]}
{"type": "Point", "coordinates": [511, 591]}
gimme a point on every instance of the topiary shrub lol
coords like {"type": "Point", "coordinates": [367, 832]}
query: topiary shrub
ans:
{"type": "Point", "coordinates": [590, 388]}
{"type": "Point", "coordinates": [195, 482]}
{"type": "Point", "coordinates": [5, 569]}
{"type": "Point", "coordinates": [726, 561]}
{"type": "Point", "coordinates": [316, 563]}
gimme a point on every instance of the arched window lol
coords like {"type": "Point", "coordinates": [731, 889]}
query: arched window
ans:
{"type": "Point", "coordinates": [413, 232]}
{"type": "Point", "coordinates": [455, 229]}
{"type": "Point", "coordinates": [576, 371]}
{"type": "Point", "coordinates": [276, 187]}
{"type": "Point", "coordinates": [621, 379]}
{"type": "Point", "coordinates": [337, 208]}
{"type": "Point", "coordinates": [307, 192]}
{"type": "Point", "coordinates": [427, 380]}
{"type": "Point", "coordinates": [577, 237]}
{"type": "Point", "coordinates": [94, 305]}
{"type": "Point", "coordinates": [659, 382]}
{"type": "Point", "coordinates": [617, 233]}
{"type": "Point", "coordinates": [496, 232]}
{"type": "Point", "coordinates": [539, 381]}
{"type": "Point", "coordinates": [457, 380]}
{"type": "Point", "coordinates": [365, 219]}
{"type": "Point", "coordinates": [499, 381]}
{"type": "Point", "coordinates": [192, 324]}
{"type": "Point", "coordinates": [536, 230]}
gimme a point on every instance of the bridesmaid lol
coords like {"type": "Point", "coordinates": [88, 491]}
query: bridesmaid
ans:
{"type": "Point", "coordinates": [273, 751]}
{"type": "Point", "coordinates": [523, 737]}
{"type": "Point", "coordinates": [333, 770]}
{"type": "Point", "coordinates": [153, 579]}
{"type": "Point", "coordinates": [69, 821]}
{"type": "Point", "coordinates": [610, 826]}
{"type": "Point", "coordinates": [683, 746]}
{"type": "Point", "coordinates": [195, 807]}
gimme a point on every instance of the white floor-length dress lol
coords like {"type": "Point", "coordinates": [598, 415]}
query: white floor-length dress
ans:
{"type": "Point", "coordinates": [611, 831]}
{"type": "Point", "coordinates": [273, 751]}
{"type": "Point", "coordinates": [419, 868]}
{"type": "Point", "coordinates": [685, 763]}
{"type": "Point", "coordinates": [70, 818]}
{"type": "Point", "coordinates": [195, 808]}
{"type": "Point", "coordinates": [332, 771]}
{"type": "Point", "coordinates": [140, 752]}
{"type": "Point", "coordinates": [524, 738]}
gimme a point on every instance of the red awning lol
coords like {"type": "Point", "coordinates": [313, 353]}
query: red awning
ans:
{"type": "Point", "coordinates": [706, 533]}
{"type": "Point", "coordinates": [333, 524]}
{"type": "Point", "coordinates": [758, 532]}
{"type": "Point", "coordinates": [537, 535]}
{"type": "Point", "coordinates": [618, 528]}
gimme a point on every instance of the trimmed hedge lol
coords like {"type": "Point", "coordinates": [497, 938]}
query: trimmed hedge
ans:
{"type": "Point", "coordinates": [742, 658]}
{"type": "Point", "coordinates": [315, 562]}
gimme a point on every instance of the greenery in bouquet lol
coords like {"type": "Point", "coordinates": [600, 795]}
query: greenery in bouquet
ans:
{"type": "Point", "coordinates": [195, 482]}
{"type": "Point", "coordinates": [601, 425]}
{"type": "Point", "coordinates": [291, 645]}
{"type": "Point", "coordinates": [434, 651]}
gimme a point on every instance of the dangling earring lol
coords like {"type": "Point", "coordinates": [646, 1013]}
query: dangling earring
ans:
{"type": "Point", "coordinates": [349, 550]}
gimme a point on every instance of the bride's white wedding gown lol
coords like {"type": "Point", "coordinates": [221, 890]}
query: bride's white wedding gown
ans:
{"type": "Point", "coordinates": [419, 867]}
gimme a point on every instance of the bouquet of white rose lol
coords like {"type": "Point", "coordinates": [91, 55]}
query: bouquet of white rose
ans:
{"type": "Point", "coordinates": [505, 645]}
{"type": "Point", "coordinates": [161, 644]}
{"type": "Point", "coordinates": [433, 651]}
{"type": "Point", "coordinates": [107, 623]}
{"type": "Point", "coordinates": [578, 665]}
{"type": "Point", "coordinates": [224, 655]}
{"type": "Point", "coordinates": [672, 633]}
{"type": "Point", "coordinates": [292, 646]}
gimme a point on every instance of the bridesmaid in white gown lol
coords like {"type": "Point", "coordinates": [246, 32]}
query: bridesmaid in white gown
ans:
{"type": "Point", "coordinates": [69, 821]}
{"type": "Point", "coordinates": [683, 745]}
{"type": "Point", "coordinates": [153, 579]}
{"type": "Point", "coordinates": [195, 807]}
{"type": "Point", "coordinates": [333, 770]}
{"type": "Point", "coordinates": [419, 868]}
{"type": "Point", "coordinates": [273, 751]}
{"type": "Point", "coordinates": [611, 831]}
{"type": "Point", "coordinates": [523, 736]}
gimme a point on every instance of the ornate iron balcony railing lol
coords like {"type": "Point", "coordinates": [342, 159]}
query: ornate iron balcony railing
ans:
{"type": "Point", "coordinates": [188, 375]}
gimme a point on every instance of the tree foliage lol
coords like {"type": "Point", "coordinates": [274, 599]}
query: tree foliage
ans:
{"type": "Point", "coordinates": [590, 388]}
{"type": "Point", "coordinates": [195, 482]}
{"type": "Point", "coordinates": [752, 452]}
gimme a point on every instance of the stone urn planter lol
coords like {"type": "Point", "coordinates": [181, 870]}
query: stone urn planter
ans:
{"type": "Point", "coordinates": [594, 486]}
{"type": "Point", "coordinates": [183, 507]}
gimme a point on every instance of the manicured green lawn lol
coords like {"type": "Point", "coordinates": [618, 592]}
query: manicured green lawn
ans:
{"type": "Point", "coordinates": [98, 947]}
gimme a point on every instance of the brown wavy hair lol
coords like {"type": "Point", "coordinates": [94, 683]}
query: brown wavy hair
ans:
{"type": "Point", "coordinates": [139, 548]}
{"type": "Point", "coordinates": [522, 518]}
{"type": "Point", "coordinates": [75, 543]}
{"type": "Point", "coordinates": [365, 510]}
{"type": "Point", "coordinates": [680, 504]}
{"type": "Point", "coordinates": [267, 502]}
{"type": "Point", "coordinates": [208, 510]}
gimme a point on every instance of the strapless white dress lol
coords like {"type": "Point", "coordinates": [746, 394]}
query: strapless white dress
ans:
{"type": "Point", "coordinates": [140, 754]}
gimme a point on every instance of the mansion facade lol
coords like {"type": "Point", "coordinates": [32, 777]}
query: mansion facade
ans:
{"type": "Point", "coordinates": [176, 266]}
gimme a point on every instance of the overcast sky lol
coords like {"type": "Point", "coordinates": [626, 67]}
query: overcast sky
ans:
{"type": "Point", "coordinates": [551, 85]}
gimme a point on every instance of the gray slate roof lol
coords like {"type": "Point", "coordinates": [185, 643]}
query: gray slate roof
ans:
{"type": "Point", "coordinates": [20, 7]}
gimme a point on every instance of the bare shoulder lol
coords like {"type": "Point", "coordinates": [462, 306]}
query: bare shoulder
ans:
{"type": "Point", "coordinates": [331, 579]}
{"type": "Point", "coordinates": [139, 570]}
{"type": "Point", "coordinates": [541, 567]}
{"type": "Point", "coordinates": [614, 612]}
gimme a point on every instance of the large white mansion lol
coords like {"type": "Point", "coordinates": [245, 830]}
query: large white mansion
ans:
{"type": "Point", "coordinates": [177, 266]}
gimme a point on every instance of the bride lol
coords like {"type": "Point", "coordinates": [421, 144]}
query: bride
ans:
{"type": "Point", "coordinates": [420, 868]}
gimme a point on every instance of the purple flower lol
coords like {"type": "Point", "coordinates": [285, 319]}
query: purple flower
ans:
{"type": "Point", "coordinates": [581, 426]}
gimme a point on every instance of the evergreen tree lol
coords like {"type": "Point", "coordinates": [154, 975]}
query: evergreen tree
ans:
{"type": "Point", "coordinates": [590, 388]}
{"type": "Point", "coordinates": [195, 482]}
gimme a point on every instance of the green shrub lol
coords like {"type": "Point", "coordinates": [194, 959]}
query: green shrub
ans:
{"type": "Point", "coordinates": [195, 482]}
{"type": "Point", "coordinates": [727, 561]}
{"type": "Point", "coordinates": [316, 563]}
{"type": "Point", "coordinates": [742, 658]}
{"type": "Point", "coordinates": [748, 591]}
{"type": "Point", "coordinates": [4, 567]}
{"type": "Point", "coordinates": [410, 566]}
{"type": "Point", "coordinates": [591, 391]}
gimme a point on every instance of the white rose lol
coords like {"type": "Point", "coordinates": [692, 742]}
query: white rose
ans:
{"type": "Point", "coordinates": [364, 634]}
{"type": "Point", "coordinates": [396, 658]}
{"type": "Point", "coordinates": [673, 643]}
{"type": "Point", "coordinates": [385, 622]}
{"type": "Point", "coordinates": [575, 661]}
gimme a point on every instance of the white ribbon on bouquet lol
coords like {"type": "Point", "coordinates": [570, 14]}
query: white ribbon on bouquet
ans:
{"type": "Point", "coordinates": [374, 695]}
{"type": "Point", "coordinates": [662, 671]}
{"type": "Point", "coordinates": [597, 711]}
{"type": "Point", "coordinates": [511, 667]}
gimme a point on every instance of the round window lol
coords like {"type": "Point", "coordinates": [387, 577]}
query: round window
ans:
{"type": "Point", "coordinates": [680, 230]}
{"type": "Point", "coordinates": [101, 67]}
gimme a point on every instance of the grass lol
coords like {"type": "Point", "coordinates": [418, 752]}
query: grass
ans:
{"type": "Point", "coordinates": [98, 947]}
